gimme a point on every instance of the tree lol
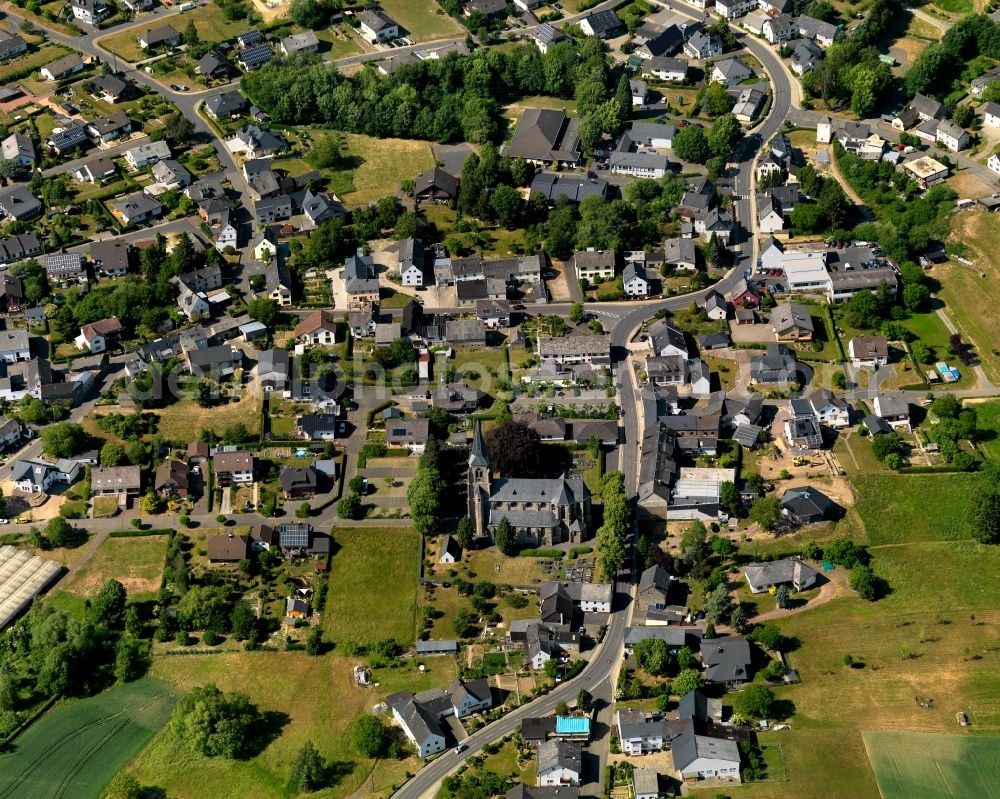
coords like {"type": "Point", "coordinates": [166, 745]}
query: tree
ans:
{"type": "Point", "coordinates": [584, 701]}
{"type": "Point", "coordinates": [715, 100]}
{"type": "Point", "coordinates": [463, 623]}
{"type": "Point", "coordinates": [947, 406]}
{"type": "Point", "coordinates": [766, 511]}
{"type": "Point", "coordinates": [308, 14]}
{"type": "Point", "coordinates": [839, 380]}
{"type": "Point", "coordinates": [113, 455]}
{"type": "Point", "coordinates": [61, 533]}
{"type": "Point", "coordinates": [190, 33]}
{"type": "Point", "coordinates": [308, 769]}
{"type": "Point", "coordinates": [781, 596]}
{"type": "Point", "coordinates": [214, 723]}
{"type": "Point", "coordinates": [507, 204]}
{"type": "Point", "coordinates": [464, 534]}
{"type": "Point", "coordinates": [349, 507]}
{"type": "Point", "coordinates": [739, 619]}
{"type": "Point", "coordinates": [652, 655]}
{"type": "Point", "coordinates": [131, 658]}
{"type": "Point", "coordinates": [177, 129]}
{"type": "Point", "coordinates": [686, 681]}
{"type": "Point", "coordinates": [108, 607]}
{"type": "Point", "coordinates": [303, 511]}
{"type": "Point", "coordinates": [984, 515]}
{"type": "Point", "coordinates": [724, 135]}
{"type": "Point", "coordinates": [576, 313]}
{"type": "Point", "coordinates": [767, 635]}
{"type": "Point", "coordinates": [503, 537]}
{"type": "Point", "coordinates": [754, 702]}
{"type": "Point", "coordinates": [123, 786]}
{"type": "Point", "coordinates": [963, 115]}
{"type": "Point", "coordinates": [243, 622]}
{"type": "Point", "coordinates": [63, 440]}
{"type": "Point", "coordinates": [730, 499]}
{"type": "Point", "coordinates": [864, 581]}
{"type": "Point", "coordinates": [263, 310]}
{"type": "Point", "coordinates": [515, 450]}
{"type": "Point", "coordinates": [425, 495]}
{"type": "Point", "coordinates": [691, 144]}
{"type": "Point", "coordinates": [314, 642]}
{"type": "Point", "coordinates": [719, 605]}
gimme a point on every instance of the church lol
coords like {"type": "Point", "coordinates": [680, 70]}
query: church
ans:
{"type": "Point", "coordinates": [542, 511]}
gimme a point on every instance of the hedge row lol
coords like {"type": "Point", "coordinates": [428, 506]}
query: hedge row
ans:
{"type": "Point", "coordinates": [140, 533]}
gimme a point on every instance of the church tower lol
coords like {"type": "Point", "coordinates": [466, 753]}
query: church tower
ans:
{"type": "Point", "coordinates": [478, 482]}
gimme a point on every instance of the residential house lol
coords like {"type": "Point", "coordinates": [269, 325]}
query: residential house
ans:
{"type": "Point", "coordinates": [377, 26]}
{"type": "Point", "coordinates": [95, 170]}
{"type": "Point", "coordinates": [123, 481]}
{"type": "Point", "coordinates": [731, 71]}
{"type": "Point", "coordinates": [320, 327]}
{"type": "Point", "coordinates": [991, 115]}
{"type": "Point", "coordinates": [143, 155]}
{"type": "Point", "coordinates": [544, 136]}
{"type": "Point", "coordinates": [653, 590]}
{"type": "Point", "coordinates": [700, 757]}
{"type": "Point", "coordinates": [62, 67]}
{"type": "Point", "coordinates": [926, 171]}
{"type": "Point", "coordinates": [589, 349]}
{"type": "Point", "coordinates": [602, 24]}
{"type": "Point", "coordinates": [806, 505]}
{"type": "Point", "coordinates": [731, 9]}
{"type": "Point", "coordinates": [894, 409]}
{"type": "Point", "coordinates": [696, 705]}
{"type": "Point", "coordinates": [726, 660]}
{"type": "Point", "coordinates": [319, 208]}
{"type": "Point", "coordinates": [749, 104]}
{"type": "Point", "coordinates": [409, 433]}
{"type": "Point", "coordinates": [15, 345]}
{"type": "Point", "coordinates": [559, 762]}
{"type": "Point", "coordinates": [298, 483]}
{"type": "Point", "coordinates": [38, 477]}
{"type": "Point", "coordinates": [664, 339]}
{"type": "Point", "coordinates": [11, 293]}
{"type": "Point", "coordinates": [19, 149]}
{"type": "Point", "coordinates": [253, 141]}
{"type": "Point", "coordinates": [952, 136]}
{"type": "Point", "coordinates": [493, 313]}
{"type": "Point", "coordinates": [435, 185]}
{"type": "Point", "coordinates": [65, 268]}
{"type": "Point", "coordinates": [680, 254]}
{"type": "Point", "coordinates": [639, 734]}
{"type": "Point", "coordinates": [412, 262]}
{"type": "Point", "coordinates": [791, 321]}
{"type": "Point", "coordinates": [823, 33]}
{"type": "Point", "coordinates": [317, 426]}
{"type": "Point", "coordinates": [488, 8]}
{"type": "Point", "coordinates": [635, 280]}
{"type": "Point", "coordinates": [272, 209]}
{"type": "Point", "coordinates": [716, 307]}
{"type": "Point", "coordinates": [594, 266]}
{"type": "Point", "coordinates": [777, 365]}
{"type": "Point", "coordinates": [68, 137]}
{"type": "Point", "coordinates": [172, 479]}
{"type": "Point", "coordinates": [91, 12]}
{"type": "Point", "coordinates": [227, 238]}
{"type": "Point", "coordinates": [220, 361]}
{"type": "Point", "coordinates": [657, 43]}
{"type": "Point", "coordinates": [802, 429]}
{"type": "Point", "coordinates": [546, 36]}
{"type": "Point", "coordinates": [98, 336]}
{"type": "Point", "coordinates": [214, 66]}
{"type": "Point", "coordinates": [573, 595]}
{"type": "Point", "coordinates": [234, 467]}
{"type": "Point", "coordinates": [11, 45]}
{"type": "Point", "coordinates": [639, 91]}
{"type": "Point", "coordinates": [703, 45]}
{"type": "Point", "coordinates": [360, 280]}
{"type": "Point", "coordinates": [645, 783]}
{"type": "Point", "coordinates": [829, 409]}
{"type": "Point", "coordinates": [769, 217]}
{"type": "Point", "coordinates": [170, 174]}
{"type": "Point", "coordinates": [10, 432]}
{"type": "Point", "coordinates": [227, 105]}
{"type": "Point", "coordinates": [305, 42]}
{"type": "Point", "coordinates": [273, 369]}
{"type": "Point", "coordinates": [136, 209]}
{"type": "Point", "coordinates": [870, 351]}
{"type": "Point", "coordinates": [165, 36]}
{"type": "Point", "coordinates": [665, 68]}
{"type": "Point", "coordinates": [780, 28]}
{"type": "Point", "coordinates": [228, 548]}
{"type": "Point", "coordinates": [17, 204]}
{"type": "Point", "coordinates": [110, 88]}
{"type": "Point", "coordinates": [19, 247]}
{"type": "Point", "coordinates": [805, 56]}
{"type": "Point", "coordinates": [254, 56]}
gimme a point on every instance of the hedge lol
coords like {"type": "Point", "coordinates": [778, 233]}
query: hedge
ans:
{"type": "Point", "coordinates": [377, 410]}
{"type": "Point", "coordinates": [140, 533]}
{"type": "Point", "coordinates": [541, 553]}
{"type": "Point", "coordinates": [933, 470]}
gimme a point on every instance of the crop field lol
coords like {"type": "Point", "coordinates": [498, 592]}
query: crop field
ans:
{"type": "Point", "coordinates": [373, 585]}
{"type": "Point", "coordinates": [74, 750]}
{"type": "Point", "coordinates": [908, 764]}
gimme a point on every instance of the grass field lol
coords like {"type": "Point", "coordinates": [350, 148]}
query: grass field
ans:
{"type": "Point", "coordinates": [910, 764]}
{"type": "Point", "coordinates": [906, 508]}
{"type": "Point", "coordinates": [967, 295]}
{"type": "Point", "coordinates": [385, 164]}
{"type": "Point", "coordinates": [373, 585]}
{"type": "Point", "coordinates": [422, 21]}
{"type": "Point", "coordinates": [315, 698]}
{"type": "Point", "coordinates": [183, 420]}
{"type": "Point", "coordinates": [211, 23]}
{"type": "Point", "coordinates": [75, 749]}
{"type": "Point", "coordinates": [137, 563]}
{"type": "Point", "coordinates": [989, 420]}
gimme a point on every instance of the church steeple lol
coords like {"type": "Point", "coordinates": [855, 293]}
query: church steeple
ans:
{"type": "Point", "coordinates": [479, 457]}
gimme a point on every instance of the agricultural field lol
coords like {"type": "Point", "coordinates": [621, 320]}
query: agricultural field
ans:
{"type": "Point", "coordinates": [137, 563]}
{"type": "Point", "coordinates": [967, 295]}
{"type": "Point", "coordinates": [423, 21]}
{"type": "Point", "coordinates": [304, 698]}
{"type": "Point", "coordinates": [74, 750]}
{"type": "Point", "coordinates": [934, 766]}
{"type": "Point", "coordinates": [373, 585]}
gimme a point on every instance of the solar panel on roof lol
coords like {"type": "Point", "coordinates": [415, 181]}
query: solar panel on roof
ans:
{"type": "Point", "coordinates": [294, 536]}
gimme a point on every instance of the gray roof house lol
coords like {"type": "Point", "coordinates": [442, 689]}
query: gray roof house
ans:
{"type": "Point", "coordinates": [19, 204]}
{"type": "Point", "coordinates": [545, 135]}
{"type": "Point", "coordinates": [788, 571]}
{"type": "Point", "coordinates": [805, 505]}
{"type": "Point", "coordinates": [726, 660]}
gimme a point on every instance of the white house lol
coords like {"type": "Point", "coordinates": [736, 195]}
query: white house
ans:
{"type": "Point", "coordinates": [824, 131]}
{"type": "Point", "coordinates": [952, 136]}
{"type": "Point", "coordinates": [991, 115]}
{"type": "Point", "coordinates": [377, 26]}
{"type": "Point", "coordinates": [667, 340]}
{"type": "Point", "coordinates": [634, 280]}
{"type": "Point", "coordinates": [769, 218]}
{"type": "Point", "coordinates": [779, 28]}
{"type": "Point", "coordinates": [227, 237]}
{"type": "Point", "coordinates": [594, 265]}
{"type": "Point", "coordinates": [893, 409]}
{"type": "Point", "coordinates": [639, 90]}
{"type": "Point", "coordinates": [559, 762]}
{"type": "Point", "coordinates": [868, 351]}
{"type": "Point", "coordinates": [731, 9]}
{"type": "Point", "coordinates": [37, 477]}
{"type": "Point", "coordinates": [994, 163]}
{"type": "Point", "coordinates": [699, 757]}
{"type": "Point", "coordinates": [420, 727]}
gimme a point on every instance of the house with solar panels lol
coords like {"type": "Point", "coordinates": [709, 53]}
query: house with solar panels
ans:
{"type": "Point", "coordinates": [298, 539]}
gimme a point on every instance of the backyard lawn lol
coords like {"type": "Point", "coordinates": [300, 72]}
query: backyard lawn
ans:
{"type": "Point", "coordinates": [209, 20]}
{"type": "Point", "coordinates": [373, 585]}
{"type": "Point", "coordinates": [137, 563]}
{"type": "Point", "coordinates": [385, 163]}
{"type": "Point", "coordinates": [32, 60]}
{"type": "Point", "coordinates": [184, 419]}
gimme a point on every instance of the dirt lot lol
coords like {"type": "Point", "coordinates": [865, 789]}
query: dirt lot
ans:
{"type": "Point", "coordinates": [751, 334]}
{"type": "Point", "coordinates": [557, 287]}
{"type": "Point", "coordinates": [17, 504]}
{"type": "Point", "coordinates": [965, 184]}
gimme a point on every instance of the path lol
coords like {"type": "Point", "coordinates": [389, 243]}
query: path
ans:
{"type": "Point", "coordinates": [850, 450]}
{"type": "Point", "coordinates": [88, 553]}
{"type": "Point", "coordinates": [941, 24]}
{"type": "Point", "coordinates": [833, 588]}
{"type": "Point", "coordinates": [848, 189]}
